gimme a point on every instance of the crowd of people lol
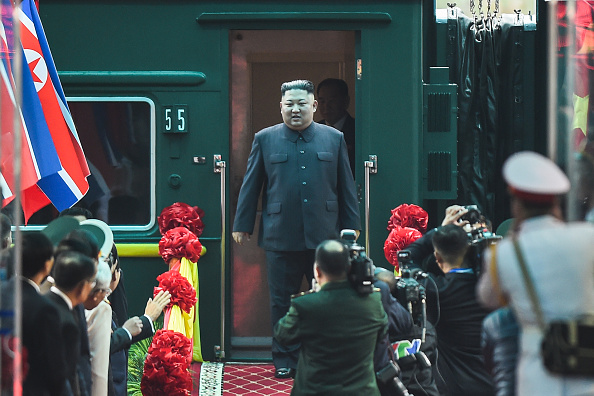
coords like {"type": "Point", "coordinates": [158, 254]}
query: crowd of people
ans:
{"type": "Point", "coordinates": [335, 341]}
{"type": "Point", "coordinates": [75, 326]}
{"type": "Point", "coordinates": [477, 350]}
{"type": "Point", "coordinates": [455, 320]}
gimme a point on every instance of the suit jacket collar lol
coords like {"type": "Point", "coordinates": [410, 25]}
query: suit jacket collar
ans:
{"type": "Point", "coordinates": [63, 296]}
{"type": "Point", "coordinates": [30, 282]}
{"type": "Point", "coordinates": [293, 135]}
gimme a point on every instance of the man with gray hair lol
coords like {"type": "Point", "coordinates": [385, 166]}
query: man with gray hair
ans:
{"type": "Point", "coordinates": [98, 318]}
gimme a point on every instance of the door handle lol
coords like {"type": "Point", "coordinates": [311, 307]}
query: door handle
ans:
{"type": "Point", "coordinates": [370, 168]}
{"type": "Point", "coordinates": [220, 166]}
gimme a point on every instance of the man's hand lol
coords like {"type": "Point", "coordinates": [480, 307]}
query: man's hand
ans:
{"type": "Point", "coordinates": [240, 237]}
{"type": "Point", "coordinates": [453, 214]}
{"type": "Point", "coordinates": [155, 307]}
{"type": "Point", "coordinates": [133, 325]}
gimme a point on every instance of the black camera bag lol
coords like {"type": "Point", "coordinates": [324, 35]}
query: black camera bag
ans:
{"type": "Point", "coordinates": [567, 346]}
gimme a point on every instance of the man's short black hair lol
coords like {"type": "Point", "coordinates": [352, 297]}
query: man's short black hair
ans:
{"type": "Point", "coordinates": [77, 211]}
{"type": "Point", "coordinates": [71, 268]}
{"type": "Point", "coordinates": [340, 85]}
{"type": "Point", "coordinates": [5, 230]}
{"type": "Point", "coordinates": [332, 257]}
{"type": "Point", "coordinates": [451, 241]}
{"type": "Point", "coordinates": [37, 249]}
{"type": "Point", "coordinates": [305, 85]}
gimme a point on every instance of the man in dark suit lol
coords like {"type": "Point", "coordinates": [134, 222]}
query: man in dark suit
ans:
{"type": "Point", "coordinates": [338, 330]}
{"type": "Point", "coordinates": [308, 197]}
{"type": "Point", "coordinates": [74, 277]}
{"type": "Point", "coordinates": [333, 101]}
{"type": "Point", "coordinates": [41, 339]}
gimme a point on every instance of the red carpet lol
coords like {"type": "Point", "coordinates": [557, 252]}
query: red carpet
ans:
{"type": "Point", "coordinates": [234, 379]}
{"type": "Point", "coordinates": [253, 380]}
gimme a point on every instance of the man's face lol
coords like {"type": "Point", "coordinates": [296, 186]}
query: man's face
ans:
{"type": "Point", "coordinates": [298, 108]}
{"type": "Point", "coordinates": [333, 106]}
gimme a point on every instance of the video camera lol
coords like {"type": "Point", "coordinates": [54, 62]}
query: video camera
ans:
{"type": "Point", "coordinates": [409, 292]}
{"type": "Point", "coordinates": [479, 237]}
{"type": "Point", "coordinates": [361, 267]}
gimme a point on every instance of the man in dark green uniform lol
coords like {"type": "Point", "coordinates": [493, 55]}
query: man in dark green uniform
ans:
{"type": "Point", "coordinates": [338, 330]}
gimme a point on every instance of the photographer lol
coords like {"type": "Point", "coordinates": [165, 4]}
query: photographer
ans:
{"type": "Point", "coordinates": [413, 341]}
{"type": "Point", "coordinates": [453, 310]}
{"type": "Point", "coordinates": [469, 218]}
{"type": "Point", "coordinates": [338, 328]}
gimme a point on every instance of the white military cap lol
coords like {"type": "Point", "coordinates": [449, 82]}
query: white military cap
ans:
{"type": "Point", "coordinates": [533, 177]}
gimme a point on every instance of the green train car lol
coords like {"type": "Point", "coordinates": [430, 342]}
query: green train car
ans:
{"type": "Point", "coordinates": [167, 95]}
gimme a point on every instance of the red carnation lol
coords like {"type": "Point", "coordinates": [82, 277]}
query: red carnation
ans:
{"type": "Point", "coordinates": [399, 238]}
{"type": "Point", "coordinates": [182, 292]}
{"type": "Point", "coordinates": [166, 365]}
{"type": "Point", "coordinates": [179, 242]}
{"type": "Point", "coordinates": [181, 215]}
{"type": "Point", "coordinates": [406, 215]}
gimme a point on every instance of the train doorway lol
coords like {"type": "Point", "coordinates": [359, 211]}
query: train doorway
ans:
{"type": "Point", "coordinates": [260, 61]}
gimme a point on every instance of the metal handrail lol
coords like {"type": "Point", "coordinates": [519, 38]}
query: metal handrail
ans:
{"type": "Point", "coordinates": [370, 167]}
{"type": "Point", "coordinates": [221, 167]}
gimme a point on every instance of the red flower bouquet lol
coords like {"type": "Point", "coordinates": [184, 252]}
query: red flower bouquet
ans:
{"type": "Point", "coordinates": [182, 292]}
{"type": "Point", "coordinates": [181, 215]}
{"type": "Point", "coordinates": [180, 242]}
{"type": "Point", "coordinates": [406, 215]}
{"type": "Point", "coordinates": [166, 365]}
{"type": "Point", "coordinates": [399, 238]}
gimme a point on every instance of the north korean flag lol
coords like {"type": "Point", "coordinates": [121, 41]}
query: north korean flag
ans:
{"type": "Point", "coordinates": [38, 156]}
{"type": "Point", "coordinates": [69, 185]}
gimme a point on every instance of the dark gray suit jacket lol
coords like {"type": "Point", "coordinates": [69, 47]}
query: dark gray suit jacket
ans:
{"type": "Point", "coordinates": [46, 374]}
{"type": "Point", "coordinates": [71, 338]}
{"type": "Point", "coordinates": [308, 188]}
{"type": "Point", "coordinates": [348, 129]}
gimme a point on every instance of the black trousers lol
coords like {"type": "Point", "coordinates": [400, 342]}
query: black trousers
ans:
{"type": "Point", "coordinates": [285, 275]}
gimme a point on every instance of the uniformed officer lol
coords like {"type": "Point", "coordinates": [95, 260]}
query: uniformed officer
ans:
{"type": "Point", "coordinates": [308, 196]}
{"type": "Point", "coordinates": [560, 261]}
{"type": "Point", "coordinates": [338, 329]}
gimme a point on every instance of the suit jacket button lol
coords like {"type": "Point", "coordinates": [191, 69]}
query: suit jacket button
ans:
{"type": "Point", "coordinates": [305, 200]}
{"type": "Point", "coordinates": [303, 167]}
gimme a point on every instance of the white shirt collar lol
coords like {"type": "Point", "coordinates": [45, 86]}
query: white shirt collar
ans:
{"type": "Point", "coordinates": [61, 294]}
{"type": "Point", "coordinates": [339, 124]}
{"type": "Point", "coordinates": [29, 281]}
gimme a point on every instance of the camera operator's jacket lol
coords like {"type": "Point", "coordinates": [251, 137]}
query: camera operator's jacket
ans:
{"type": "Point", "coordinates": [338, 330]}
{"type": "Point", "coordinates": [308, 189]}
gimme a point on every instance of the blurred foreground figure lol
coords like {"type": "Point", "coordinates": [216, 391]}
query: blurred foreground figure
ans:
{"type": "Point", "coordinates": [559, 258]}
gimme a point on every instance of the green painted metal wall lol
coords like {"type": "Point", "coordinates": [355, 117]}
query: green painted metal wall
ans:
{"type": "Point", "coordinates": [133, 36]}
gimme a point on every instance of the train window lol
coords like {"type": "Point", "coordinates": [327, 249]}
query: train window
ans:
{"type": "Point", "coordinates": [117, 136]}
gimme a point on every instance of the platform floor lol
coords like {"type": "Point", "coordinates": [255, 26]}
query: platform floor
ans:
{"type": "Point", "coordinates": [234, 379]}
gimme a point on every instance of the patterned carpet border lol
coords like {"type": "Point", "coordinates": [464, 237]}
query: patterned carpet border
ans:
{"type": "Point", "coordinates": [211, 379]}
{"type": "Point", "coordinates": [245, 379]}
{"type": "Point", "coordinates": [238, 379]}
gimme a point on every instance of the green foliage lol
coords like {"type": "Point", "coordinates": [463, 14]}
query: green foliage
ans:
{"type": "Point", "coordinates": [136, 357]}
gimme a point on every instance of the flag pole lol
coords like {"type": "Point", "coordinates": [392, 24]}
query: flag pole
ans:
{"type": "Point", "coordinates": [18, 311]}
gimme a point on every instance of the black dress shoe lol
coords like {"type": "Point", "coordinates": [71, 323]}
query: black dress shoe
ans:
{"type": "Point", "coordinates": [285, 372]}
